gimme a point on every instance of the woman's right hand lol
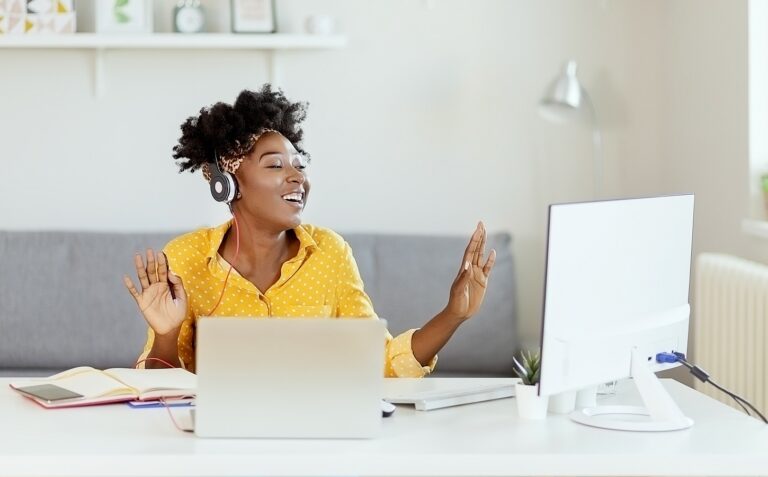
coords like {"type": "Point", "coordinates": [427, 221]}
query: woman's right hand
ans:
{"type": "Point", "coordinates": [158, 288]}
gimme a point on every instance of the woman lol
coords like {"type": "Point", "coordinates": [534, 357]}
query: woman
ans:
{"type": "Point", "coordinates": [265, 262]}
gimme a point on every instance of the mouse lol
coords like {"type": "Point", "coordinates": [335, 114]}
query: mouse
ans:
{"type": "Point", "coordinates": [387, 409]}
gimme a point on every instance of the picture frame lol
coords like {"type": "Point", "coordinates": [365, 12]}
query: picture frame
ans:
{"type": "Point", "coordinates": [253, 16]}
{"type": "Point", "coordinates": [123, 16]}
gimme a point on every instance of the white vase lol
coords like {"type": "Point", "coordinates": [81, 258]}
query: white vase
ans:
{"type": "Point", "coordinates": [562, 403]}
{"type": "Point", "coordinates": [529, 404]}
{"type": "Point", "coordinates": [586, 397]}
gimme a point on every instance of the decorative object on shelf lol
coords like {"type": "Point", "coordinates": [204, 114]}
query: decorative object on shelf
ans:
{"type": "Point", "coordinates": [123, 16]}
{"type": "Point", "coordinates": [529, 404]}
{"type": "Point", "coordinates": [37, 16]}
{"type": "Point", "coordinates": [563, 98]}
{"type": "Point", "coordinates": [188, 17]}
{"type": "Point", "coordinates": [319, 24]}
{"type": "Point", "coordinates": [253, 16]}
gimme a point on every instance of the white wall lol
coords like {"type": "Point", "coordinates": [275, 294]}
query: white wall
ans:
{"type": "Point", "coordinates": [704, 121]}
{"type": "Point", "coordinates": [758, 104]}
{"type": "Point", "coordinates": [425, 123]}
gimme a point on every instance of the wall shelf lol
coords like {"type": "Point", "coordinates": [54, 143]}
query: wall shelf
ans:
{"type": "Point", "coordinates": [755, 227]}
{"type": "Point", "coordinates": [99, 43]}
{"type": "Point", "coordinates": [242, 41]}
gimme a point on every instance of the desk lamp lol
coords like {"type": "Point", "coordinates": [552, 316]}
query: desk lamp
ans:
{"type": "Point", "coordinates": [563, 99]}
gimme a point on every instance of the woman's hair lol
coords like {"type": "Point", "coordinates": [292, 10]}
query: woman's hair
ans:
{"type": "Point", "coordinates": [223, 128]}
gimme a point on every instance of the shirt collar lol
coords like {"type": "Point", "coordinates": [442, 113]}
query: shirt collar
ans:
{"type": "Point", "coordinates": [306, 242]}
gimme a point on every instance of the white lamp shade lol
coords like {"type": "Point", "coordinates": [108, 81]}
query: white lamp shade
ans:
{"type": "Point", "coordinates": [562, 101]}
{"type": "Point", "coordinates": [563, 97]}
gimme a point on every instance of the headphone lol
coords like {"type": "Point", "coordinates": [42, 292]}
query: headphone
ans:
{"type": "Point", "coordinates": [223, 184]}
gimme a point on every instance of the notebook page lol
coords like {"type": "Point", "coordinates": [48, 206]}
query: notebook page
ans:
{"type": "Point", "coordinates": [90, 384]}
{"type": "Point", "coordinates": [148, 380]}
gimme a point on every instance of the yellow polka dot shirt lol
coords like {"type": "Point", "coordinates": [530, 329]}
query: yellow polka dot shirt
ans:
{"type": "Point", "coordinates": [322, 280]}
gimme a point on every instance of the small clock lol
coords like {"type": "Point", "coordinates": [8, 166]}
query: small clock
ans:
{"type": "Point", "coordinates": [188, 17]}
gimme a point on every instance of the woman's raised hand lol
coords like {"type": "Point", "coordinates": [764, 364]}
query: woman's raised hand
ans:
{"type": "Point", "coordinates": [468, 288]}
{"type": "Point", "coordinates": [158, 288]}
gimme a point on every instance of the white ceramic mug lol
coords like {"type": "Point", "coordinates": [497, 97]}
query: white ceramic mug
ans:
{"type": "Point", "coordinates": [319, 24]}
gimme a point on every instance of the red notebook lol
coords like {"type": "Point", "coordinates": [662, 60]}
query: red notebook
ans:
{"type": "Point", "coordinates": [85, 386]}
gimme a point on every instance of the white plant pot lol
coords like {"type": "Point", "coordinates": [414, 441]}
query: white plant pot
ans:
{"type": "Point", "coordinates": [529, 404]}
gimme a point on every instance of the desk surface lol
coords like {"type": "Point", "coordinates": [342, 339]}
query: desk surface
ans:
{"type": "Point", "coordinates": [478, 439]}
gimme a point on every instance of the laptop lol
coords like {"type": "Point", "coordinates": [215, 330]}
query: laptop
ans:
{"type": "Point", "coordinates": [289, 378]}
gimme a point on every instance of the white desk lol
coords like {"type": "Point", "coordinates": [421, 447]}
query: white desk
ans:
{"type": "Point", "coordinates": [478, 439]}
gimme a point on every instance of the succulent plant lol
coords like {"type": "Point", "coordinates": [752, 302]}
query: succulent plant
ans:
{"type": "Point", "coordinates": [530, 369]}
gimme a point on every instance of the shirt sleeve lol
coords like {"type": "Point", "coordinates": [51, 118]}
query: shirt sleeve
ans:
{"type": "Point", "coordinates": [353, 302]}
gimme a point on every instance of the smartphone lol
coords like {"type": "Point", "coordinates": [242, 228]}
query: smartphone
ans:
{"type": "Point", "coordinates": [49, 393]}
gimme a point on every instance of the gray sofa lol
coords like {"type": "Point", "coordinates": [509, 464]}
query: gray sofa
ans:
{"type": "Point", "coordinates": [63, 304]}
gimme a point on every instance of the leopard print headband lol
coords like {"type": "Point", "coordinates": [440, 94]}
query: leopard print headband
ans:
{"type": "Point", "coordinates": [231, 161]}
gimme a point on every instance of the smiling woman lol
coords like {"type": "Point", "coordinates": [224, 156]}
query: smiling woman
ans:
{"type": "Point", "coordinates": [265, 262]}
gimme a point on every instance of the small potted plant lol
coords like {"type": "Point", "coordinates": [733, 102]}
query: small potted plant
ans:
{"type": "Point", "coordinates": [529, 404]}
{"type": "Point", "coordinates": [764, 187]}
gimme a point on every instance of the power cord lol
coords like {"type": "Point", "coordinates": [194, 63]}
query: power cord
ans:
{"type": "Point", "coordinates": [703, 376]}
{"type": "Point", "coordinates": [162, 399]}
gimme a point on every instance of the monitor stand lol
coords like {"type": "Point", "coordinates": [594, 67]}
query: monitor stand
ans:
{"type": "Point", "coordinates": [661, 412]}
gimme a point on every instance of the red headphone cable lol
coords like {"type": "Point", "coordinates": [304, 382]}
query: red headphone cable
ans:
{"type": "Point", "coordinates": [232, 265]}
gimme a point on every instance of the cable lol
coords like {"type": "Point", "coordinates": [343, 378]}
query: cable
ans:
{"type": "Point", "coordinates": [162, 399]}
{"type": "Point", "coordinates": [223, 288]}
{"type": "Point", "coordinates": [740, 400]}
{"type": "Point", "coordinates": [735, 398]}
{"type": "Point", "coordinates": [732, 395]}
{"type": "Point", "coordinates": [170, 414]}
{"type": "Point", "coordinates": [703, 376]}
{"type": "Point", "coordinates": [153, 359]}
{"type": "Point", "coordinates": [234, 262]}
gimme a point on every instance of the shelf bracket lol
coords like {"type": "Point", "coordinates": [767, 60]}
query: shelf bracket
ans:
{"type": "Point", "coordinates": [98, 72]}
{"type": "Point", "coordinates": [272, 68]}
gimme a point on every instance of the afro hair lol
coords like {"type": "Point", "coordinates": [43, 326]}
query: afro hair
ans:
{"type": "Point", "coordinates": [222, 127]}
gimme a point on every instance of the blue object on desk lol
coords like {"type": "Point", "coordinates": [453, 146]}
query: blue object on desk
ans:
{"type": "Point", "coordinates": [666, 358]}
{"type": "Point", "coordinates": [159, 404]}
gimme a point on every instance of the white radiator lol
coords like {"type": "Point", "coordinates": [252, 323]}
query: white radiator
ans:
{"type": "Point", "coordinates": [729, 327]}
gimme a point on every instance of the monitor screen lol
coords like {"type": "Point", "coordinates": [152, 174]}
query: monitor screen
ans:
{"type": "Point", "coordinates": [617, 280]}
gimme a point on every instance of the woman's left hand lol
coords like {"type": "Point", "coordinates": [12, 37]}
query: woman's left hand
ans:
{"type": "Point", "coordinates": [468, 288]}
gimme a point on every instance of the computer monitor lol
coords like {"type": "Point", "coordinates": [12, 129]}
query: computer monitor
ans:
{"type": "Point", "coordinates": [616, 295]}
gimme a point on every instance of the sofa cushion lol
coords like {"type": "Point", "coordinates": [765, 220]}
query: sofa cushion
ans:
{"type": "Point", "coordinates": [408, 278]}
{"type": "Point", "coordinates": [63, 303]}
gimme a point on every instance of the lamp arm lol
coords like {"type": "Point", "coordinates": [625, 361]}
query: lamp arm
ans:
{"type": "Point", "coordinates": [597, 147]}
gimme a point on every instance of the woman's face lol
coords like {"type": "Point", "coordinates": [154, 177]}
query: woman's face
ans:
{"type": "Point", "coordinates": [273, 182]}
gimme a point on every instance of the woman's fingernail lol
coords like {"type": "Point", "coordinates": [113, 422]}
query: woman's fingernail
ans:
{"type": "Point", "coordinates": [466, 265]}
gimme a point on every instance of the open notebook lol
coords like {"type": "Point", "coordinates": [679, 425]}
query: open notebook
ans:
{"type": "Point", "coordinates": [112, 385]}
